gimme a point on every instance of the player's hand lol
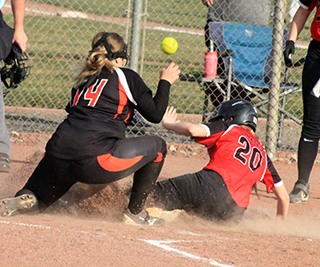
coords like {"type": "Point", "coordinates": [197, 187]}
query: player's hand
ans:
{"type": "Point", "coordinates": [289, 49]}
{"type": "Point", "coordinates": [207, 2]}
{"type": "Point", "coordinates": [170, 73]}
{"type": "Point", "coordinates": [169, 117]}
{"type": "Point", "coordinates": [21, 39]}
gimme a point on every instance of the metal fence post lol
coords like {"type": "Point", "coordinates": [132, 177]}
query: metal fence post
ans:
{"type": "Point", "coordinates": [128, 21]}
{"type": "Point", "coordinates": [277, 57]}
{"type": "Point", "coordinates": [145, 15]}
{"type": "Point", "coordinates": [135, 34]}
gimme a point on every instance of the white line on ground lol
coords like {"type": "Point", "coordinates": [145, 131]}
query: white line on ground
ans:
{"type": "Point", "coordinates": [161, 244]}
{"type": "Point", "coordinates": [26, 224]}
{"type": "Point", "coordinates": [174, 30]}
{"type": "Point", "coordinates": [157, 243]}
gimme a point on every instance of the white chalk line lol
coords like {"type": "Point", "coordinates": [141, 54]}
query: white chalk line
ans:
{"type": "Point", "coordinates": [27, 224]}
{"type": "Point", "coordinates": [162, 244]}
{"type": "Point", "coordinates": [37, 11]}
{"type": "Point", "coordinates": [157, 243]}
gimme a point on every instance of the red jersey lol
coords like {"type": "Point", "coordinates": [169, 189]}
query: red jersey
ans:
{"type": "Point", "coordinates": [315, 26]}
{"type": "Point", "coordinates": [239, 157]}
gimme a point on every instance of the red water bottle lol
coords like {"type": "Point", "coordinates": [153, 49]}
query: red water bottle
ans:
{"type": "Point", "coordinates": [210, 62]}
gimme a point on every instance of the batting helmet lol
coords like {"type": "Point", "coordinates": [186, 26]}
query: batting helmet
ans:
{"type": "Point", "coordinates": [240, 110]}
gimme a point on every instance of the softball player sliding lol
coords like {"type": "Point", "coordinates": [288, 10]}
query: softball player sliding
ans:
{"type": "Point", "coordinates": [221, 191]}
{"type": "Point", "coordinates": [89, 146]}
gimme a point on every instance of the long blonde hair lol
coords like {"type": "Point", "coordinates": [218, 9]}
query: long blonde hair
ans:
{"type": "Point", "coordinates": [96, 59]}
{"type": "Point", "coordinates": [247, 127]}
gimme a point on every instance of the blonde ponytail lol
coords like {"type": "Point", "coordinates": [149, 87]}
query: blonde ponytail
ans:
{"type": "Point", "coordinates": [96, 59]}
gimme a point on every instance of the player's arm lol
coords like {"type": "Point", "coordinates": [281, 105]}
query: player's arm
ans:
{"type": "Point", "coordinates": [298, 22]}
{"type": "Point", "coordinates": [283, 201]}
{"type": "Point", "coordinates": [170, 122]}
{"type": "Point", "coordinates": [275, 183]}
{"type": "Point", "coordinates": [152, 108]}
{"type": "Point", "coordinates": [18, 10]}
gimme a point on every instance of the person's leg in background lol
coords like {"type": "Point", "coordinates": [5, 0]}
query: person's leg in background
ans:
{"type": "Point", "coordinates": [309, 140]}
{"type": "Point", "coordinates": [5, 143]}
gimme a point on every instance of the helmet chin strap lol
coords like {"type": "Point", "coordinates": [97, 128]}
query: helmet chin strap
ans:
{"type": "Point", "coordinates": [111, 56]}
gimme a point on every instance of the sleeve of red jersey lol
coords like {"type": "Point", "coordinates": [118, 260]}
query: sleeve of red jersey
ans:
{"type": "Point", "coordinates": [308, 4]}
{"type": "Point", "coordinates": [216, 128]}
{"type": "Point", "coordinates": [271, 178]}
{"type": "Point", "coordinates": [207, 141]}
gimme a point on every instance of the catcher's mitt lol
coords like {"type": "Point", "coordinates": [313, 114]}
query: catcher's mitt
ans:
{"type": "Point", "coordinates": [14, 71]}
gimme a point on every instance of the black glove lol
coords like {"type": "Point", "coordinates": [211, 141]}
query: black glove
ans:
{"type": "Point", "coordinates": [287, 52]}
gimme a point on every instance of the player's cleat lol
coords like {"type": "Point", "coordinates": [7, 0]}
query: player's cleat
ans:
{"type": "Point", "coordinates": [142, 218]}
{"type": "Point", "coordinates": [4, 163]}
{"type": "Point", "coordinates": [16, 205]}
{"type": "Point", "coordinates": [300, 193]}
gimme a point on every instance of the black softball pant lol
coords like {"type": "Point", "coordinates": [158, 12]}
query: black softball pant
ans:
{"type": "Point", "coordinates": [204, 194]}
{"type": "Point", "coordinates": [143, 156]}
{"type": "Point", "coordinates": [310, 134]}
{"type": "Point", "coordinates": [311, 104]}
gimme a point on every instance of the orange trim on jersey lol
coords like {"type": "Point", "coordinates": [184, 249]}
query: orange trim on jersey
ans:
{"type": "Point", "coordinates": [76, 98]}
{"type": "Point", "coordinates": [113, 164]}
{"type": "Point", "coordinates": [123, 99]}
{"type": "Point", "coordinates": [159, 157]}
{"type": "Point", "coordinates": [129, 115]}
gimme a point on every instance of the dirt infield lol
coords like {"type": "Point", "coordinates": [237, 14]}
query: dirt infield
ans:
{"type": "Point", "coordinates": [90, 233]}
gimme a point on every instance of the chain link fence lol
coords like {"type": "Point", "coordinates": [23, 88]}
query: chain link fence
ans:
{"type": "Point", "coordinates": [60, 34]}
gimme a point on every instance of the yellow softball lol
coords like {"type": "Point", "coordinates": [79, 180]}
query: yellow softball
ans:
{"type": "Point", "coordinates": [169, 45]}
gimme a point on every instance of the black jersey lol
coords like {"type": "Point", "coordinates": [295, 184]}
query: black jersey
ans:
{"type": "Point", "coordinates": [6, 37]}
{"type": "Point", "coordinates": [99, 111]}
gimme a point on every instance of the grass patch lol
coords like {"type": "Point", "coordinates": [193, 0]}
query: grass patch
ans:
{"type": "Point", "coordinates": [181, 13]}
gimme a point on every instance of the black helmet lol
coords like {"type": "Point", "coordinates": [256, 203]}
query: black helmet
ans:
{"type": "Point", "coordinates": [240, 110]}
